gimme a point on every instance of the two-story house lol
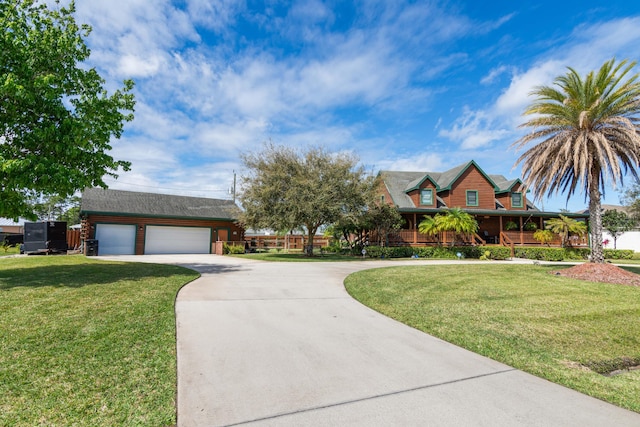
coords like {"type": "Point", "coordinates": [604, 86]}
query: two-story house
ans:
{"type": "Point", "coordinates": [499, 205]}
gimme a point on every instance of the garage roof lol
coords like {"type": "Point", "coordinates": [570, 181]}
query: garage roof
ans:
{"type": "Point", "coordinates": [105, 201]}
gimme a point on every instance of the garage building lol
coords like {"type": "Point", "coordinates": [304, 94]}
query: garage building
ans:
{"type": "Point", "coordinates": [127, 222]}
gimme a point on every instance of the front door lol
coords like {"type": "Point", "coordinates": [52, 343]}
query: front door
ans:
{"type": "Point", "coordinates": [223, 234]}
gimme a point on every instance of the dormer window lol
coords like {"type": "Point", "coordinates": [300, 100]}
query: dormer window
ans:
{"type": "Point", "coordinates": [516, 200]}
{"type": "Point", "coordinates": [426, 197]}
{"type": "Point", "coordinates": [472, 197]}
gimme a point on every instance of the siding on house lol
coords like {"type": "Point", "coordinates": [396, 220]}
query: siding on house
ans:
{"type": "Point", "coordinates": [472, 180]}
{"type": "Point", "coordinates": [493, 207]}
{"type": "Point", "coordinates": [101, 206]}
{"type": "Point", "coordinates": [235, 232]}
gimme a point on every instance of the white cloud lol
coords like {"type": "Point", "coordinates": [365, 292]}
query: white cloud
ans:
{"type": "Point", "coordinates": [515, 98]}
{"type": "Point", "coordinates": [135, 66]}
{"type": "Point", "coordinates": [215, 15]}
{"type": "Point", "coordinates": [226, 140]}
{"type": "Point", "coordinates": [494, 74]}
{"type": "Point", "coordinates": [589, 47]}
{"type": "Point", "coordinates": [474, 129]}
{"type": "Point", "coordinates": [431, 162]}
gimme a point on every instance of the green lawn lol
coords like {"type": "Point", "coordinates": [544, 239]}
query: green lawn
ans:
{"type": "Point", "coordinates": [9, 250]}
{"type": "Point", "coordinates": [553, 327]}
{"type": "Point", "coordinates": [86, 342]}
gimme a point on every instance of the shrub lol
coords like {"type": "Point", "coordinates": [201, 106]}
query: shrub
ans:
{"type": "Point", "coordinates": [498, 252]}
{"type": "Point", "coordinates": [232, 249]}
{"type": "Point", "coordinates": [442, 252]}
{"type": "Point", "coordinates": [543, 254]}
{"type": "Point", "coordinates": [577, 253]}
{"type": "Point", "coordinates": [552, 254]}
{"type": "Point", "coordinates": [618, 254]}
{"type": "Point", "coordinates": [510, 226]}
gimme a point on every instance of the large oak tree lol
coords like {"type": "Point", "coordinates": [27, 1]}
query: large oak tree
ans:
{"type": "Point", "coordinates": [57, 120]}
{"type": "Point", "coordinates": [287, 188]}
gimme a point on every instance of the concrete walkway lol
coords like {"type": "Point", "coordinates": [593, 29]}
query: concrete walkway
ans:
{"type": "Point", "coordinates": [283, 344]}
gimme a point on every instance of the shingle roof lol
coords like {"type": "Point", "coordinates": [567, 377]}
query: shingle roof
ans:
{"type": "Point", "coordinates": [98, 200]}
{"type": "Point", "coordinates": [399, 183]}
{"type": "Point", "coordinates": [10, 222]}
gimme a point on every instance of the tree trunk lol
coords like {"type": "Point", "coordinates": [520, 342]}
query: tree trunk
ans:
{"type": "Point", "coordinates": [309, 248]}
{"type": "Point", "coordinates": [595, 218]}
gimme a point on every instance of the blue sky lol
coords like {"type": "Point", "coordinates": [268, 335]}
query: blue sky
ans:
{"type": "Point", "coordinates": [420, 85]}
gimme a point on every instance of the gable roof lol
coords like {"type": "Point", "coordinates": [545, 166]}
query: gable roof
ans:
{"type": "Point", "coordinates": [400, 183]}
{"type": "Point", "coordinates": [397, 183]}
{"type": "Point", "coordinates": [504, 185]}
{"type": "Point", "coordinates": [130, 203]}
{"type": "Point", "coordinates": [416, 183]}
{"type": "Point", "coordinates": [448, 178]}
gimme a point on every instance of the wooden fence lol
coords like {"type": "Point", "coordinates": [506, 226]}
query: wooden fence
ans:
{"type": "Point", "coordinates": [73, 239]}
{"type": "Point", "coordinates": [286, 242]}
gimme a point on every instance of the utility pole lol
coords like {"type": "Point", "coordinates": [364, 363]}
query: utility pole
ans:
{"type": "Point", "coordinates": [234, 186]}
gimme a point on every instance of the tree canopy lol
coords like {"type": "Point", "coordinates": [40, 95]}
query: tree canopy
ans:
{"type": "Point", "coordinates": [57, 120]}
{"type": "Point", "coordinates": [617, 223]}
{"type": "Point", "coordinates": [285, 188]}
{"type": "Point", "coordinates": [586, 129]}
{"type": "Point", "coordinates": [454, 219]}
{"type": "Point", "coordinates": [564, 226]}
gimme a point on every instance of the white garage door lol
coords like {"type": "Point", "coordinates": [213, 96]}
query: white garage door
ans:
{"type": "Point", "coordinates": [116, 239]}
{"type": "Point", "coordinates": [177, 240]}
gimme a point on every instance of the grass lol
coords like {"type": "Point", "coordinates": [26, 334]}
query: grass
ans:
{"type": "Point", "coordinates": [9, 250]}
{"type": "Point", "coordinates": [553, 327]}
{"type": "Point", "coordinates": [86, 342]}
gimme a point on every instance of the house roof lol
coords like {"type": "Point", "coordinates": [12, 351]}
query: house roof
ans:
{"type": "Point", "coordinates": [400, 183]}
{"type": "Point", "coordinates": [105, 201]}
{"type": "Point", "coordinates": [9, 222]}
{"type": "Point", "coordinates": [605, 208]}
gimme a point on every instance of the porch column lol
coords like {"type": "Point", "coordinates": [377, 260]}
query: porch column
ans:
{"type": "Point", "coordinates": [521, 232]}
{"type": "Point", "coordinates": [415, 228]}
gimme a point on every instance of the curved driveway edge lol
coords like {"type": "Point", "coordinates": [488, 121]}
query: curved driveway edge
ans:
{"type": "Point", "coordinates": [283, 344]}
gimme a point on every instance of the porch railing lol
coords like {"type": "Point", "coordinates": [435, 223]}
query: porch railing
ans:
{"type": "Point", "coordinates": [406, 237]}
{"type": "Point", "coordinates": [505, 240]}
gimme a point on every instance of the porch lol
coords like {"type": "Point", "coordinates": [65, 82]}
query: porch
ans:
{"type": "Point", "coordinates": [494, 228]}
{"type": "Point", "coordinates": [505, 238]}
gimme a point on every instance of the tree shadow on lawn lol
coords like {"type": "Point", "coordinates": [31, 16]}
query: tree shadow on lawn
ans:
{"type": "Point", "coordinates": [80, 275]}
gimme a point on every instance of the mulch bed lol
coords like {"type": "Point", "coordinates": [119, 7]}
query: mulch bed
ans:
{"type": "Point", "coordinates": [606, 273]}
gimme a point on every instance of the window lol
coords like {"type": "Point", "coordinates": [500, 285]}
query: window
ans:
{"type": "Point", "coordinates": [516, 200]}
{"type": "Point", "coordinates": [472, 198]}
{"type": "Point", "coordinates": [426, 196]}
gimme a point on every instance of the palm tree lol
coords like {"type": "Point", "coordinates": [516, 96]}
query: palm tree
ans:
{"type": "Point", "coordinates": [430, 226]}
{"type": "Point", "coordinates": [589, 135]}
{"type": "Point", "coordinates": [563, 226]}
{"type": "Point", "coordinates": [458, 221]}
{"type": "Point", "coordinates": [543, 236]}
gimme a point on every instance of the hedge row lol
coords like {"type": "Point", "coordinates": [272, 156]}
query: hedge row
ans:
{"type": "Point", "coordinates": [618, 253]}
{"type": "Point", "coordinates": [552, 254]}
{"type": "Point", "coordinates": [490, 252]}
{"type": "Point", "coordinates": [446, 252]}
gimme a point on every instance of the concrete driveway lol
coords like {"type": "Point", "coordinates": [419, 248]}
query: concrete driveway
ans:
{"type": "Point", "coordinates": [283, 344]}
